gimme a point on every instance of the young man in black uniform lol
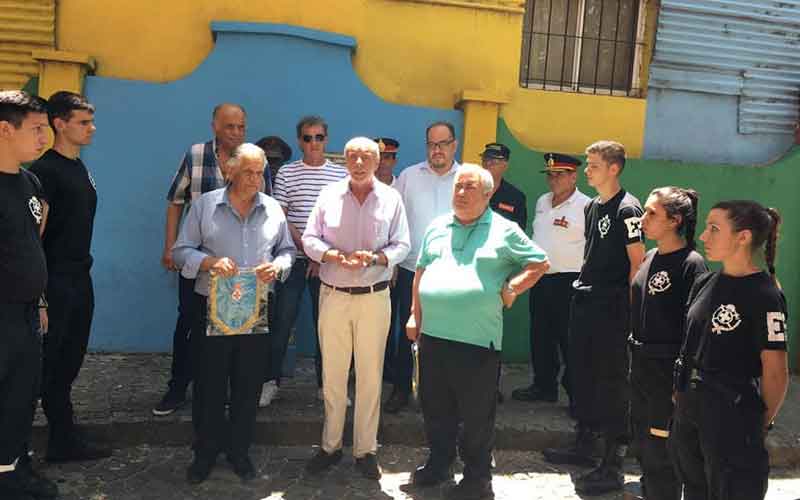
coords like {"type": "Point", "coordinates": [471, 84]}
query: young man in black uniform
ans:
{"type": "Point", "coordinates": [659, 293]}
{"type": "Point", "coordinates": [599, 322]}
{"type": "Point", "coordinates": [733, 372]}
{"type": "Point", "coordinates": [23, 273]}
{"type": "Point", "coordinates": [70, 195]}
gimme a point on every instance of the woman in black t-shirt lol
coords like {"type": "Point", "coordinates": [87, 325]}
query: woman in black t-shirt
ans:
{"type": "Point", "coordinates": [659, 292]}
{"type": "Point", "coordinates": [733, 366]}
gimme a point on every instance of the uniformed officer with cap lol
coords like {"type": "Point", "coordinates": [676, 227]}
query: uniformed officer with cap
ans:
{"type": "Point", "coordinates": [388, 148]}
{"type": "Point", "coordinates": [507, 200]}
{"type": "Point", "coordinates": [277, 152]}
{"type": "Point", "coordinates": [558, 227]}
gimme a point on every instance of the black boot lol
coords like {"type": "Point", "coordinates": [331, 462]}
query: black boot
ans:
{"type": "Point", "coordinates": [579, 453]}
{"type": "Point", "coordinates": [608, 476]}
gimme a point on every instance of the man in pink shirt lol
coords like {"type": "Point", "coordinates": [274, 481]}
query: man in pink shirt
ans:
{"type": "Point", "coordinates": [358, 232]}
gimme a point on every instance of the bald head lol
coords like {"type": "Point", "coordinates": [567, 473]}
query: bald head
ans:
{"type": "Point", "coordinates": [229, 122]}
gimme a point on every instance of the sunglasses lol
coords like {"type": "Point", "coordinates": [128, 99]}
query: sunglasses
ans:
{"type": "Point", "coordinates": [318, 138]}
{"type": "Point", "coordinates": [391, 156]}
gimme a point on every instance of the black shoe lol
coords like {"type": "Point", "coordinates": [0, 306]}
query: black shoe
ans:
{"type": "Point", "coordinates": [243, 467]}
{"type": "Point", "coordinates": [32, 482]}
{"type": "Point", "coordinates": [580, 454]}
{"type": "Point", "coordinates": [603, 479]}
{"type": "Point", "coordinates": [533, 393]}
{"type": "Point", "coordinates": [368, 466]}
{"type": "Point", "coordinates": [199, 470]}
{"type": "Point", "coordinates": [471, 489]}
{"type": "Point", "coordinates": [428, 475]}
{"type": "Point", "coordinates": [323, 461]}
{"type": "Point", "coordinates": [75, 449]}
{"type": "Point", "coordinates": [396, 402]}
{"type": "Point", "coordinates": [608, 476]}
{"type": "Point", "coordinates": [12, 487]}
{"type": "Point", "coordinates": [171, 401]}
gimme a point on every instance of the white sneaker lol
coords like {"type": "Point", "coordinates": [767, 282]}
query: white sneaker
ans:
{"type": "Point", "coordinates": [268, 393]}
{"type": "Point", "coordinates": [321, 397]}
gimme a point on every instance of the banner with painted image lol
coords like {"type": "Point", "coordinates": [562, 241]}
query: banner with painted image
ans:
{"type": "Point", "coordinates": [237, 305]}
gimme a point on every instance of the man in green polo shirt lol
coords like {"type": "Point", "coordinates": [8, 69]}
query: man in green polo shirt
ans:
{"type": "Point", "coordinates": [472, 263]}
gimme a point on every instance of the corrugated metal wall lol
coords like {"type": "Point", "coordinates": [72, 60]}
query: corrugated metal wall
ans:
{"type": "Point", "coordinates": [745, 48]}
{"type": "Point", "coordinates": [25, 25]}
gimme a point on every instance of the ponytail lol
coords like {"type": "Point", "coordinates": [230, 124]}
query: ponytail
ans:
{"type": "Point", "coordinates": [771, 249]}
{"type": "Point", "coordinates": [690, 219]}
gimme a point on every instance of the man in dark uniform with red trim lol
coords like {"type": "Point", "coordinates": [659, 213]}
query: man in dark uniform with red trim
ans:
{"type": "Point", "coordinates": [507, 200]}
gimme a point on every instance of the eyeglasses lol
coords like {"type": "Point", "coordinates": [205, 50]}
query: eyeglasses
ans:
{"type": "Point", "coordinates": [440, 144]}
{"type": "Point", "coordinates": [318, 138]}
{"type": "Point", "coordinates": [390, 156]}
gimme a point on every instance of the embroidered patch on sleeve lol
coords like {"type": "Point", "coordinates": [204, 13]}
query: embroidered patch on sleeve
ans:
{"type": "Point", "coordinates": [776, 327]}
{"type": "Point", "coordinates": [634, 225]}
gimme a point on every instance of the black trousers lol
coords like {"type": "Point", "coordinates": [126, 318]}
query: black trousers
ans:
{"type": "Point", "coordinates": [228, 361]}
{"type": "Point", "coordinates": [598, 361]}
{"type": "Point", "coordinates": [549, 307]}
{"type": "Point", "coordinates": [718, 448]}
{"type": "Point", "coordinates": [458, 384]}
{"type": "Point", "coordinates": [20, 369]}
{"type": "Point", "coordinates": [397, 345]}
{"type": "Point", "coordinates": [287, 305]}
{"type": "Point", "coordinates": [181, 353]}
{"type": "Point", "coordinates": [71, 307]}
{"type": "Point", "coordinates": [651, 411]}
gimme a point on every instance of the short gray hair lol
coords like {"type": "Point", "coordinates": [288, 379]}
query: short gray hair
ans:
{"type": "Point", "coordinates": [246, 151]}
{"type": "Point", "coordinates": [487, 182]}
{"type": "Point", "coordinates": [363, 143]}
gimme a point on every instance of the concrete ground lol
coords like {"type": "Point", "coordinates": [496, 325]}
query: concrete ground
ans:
{"type": "Point", "coordinates": [114, 396]}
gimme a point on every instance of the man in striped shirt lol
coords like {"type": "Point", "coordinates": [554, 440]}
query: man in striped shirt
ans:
{"type": "Point", "coordinates": [296, 188]}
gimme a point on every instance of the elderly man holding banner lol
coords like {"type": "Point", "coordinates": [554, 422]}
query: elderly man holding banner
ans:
{"type": "Point", "coordinates": [235, 242]}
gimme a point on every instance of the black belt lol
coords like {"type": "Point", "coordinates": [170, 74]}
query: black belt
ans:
{"type": "Point", "coordinates": [597, 291]}
{"type": "Point", "coordinates": [652, 350]}
{"type": "Point", "coordinates": [360, 290]}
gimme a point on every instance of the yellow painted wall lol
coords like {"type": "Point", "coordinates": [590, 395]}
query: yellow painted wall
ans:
{"type": "Point", "coordinates": [421, 52]}
{"type": "Point", "coordinates": [566, 122]}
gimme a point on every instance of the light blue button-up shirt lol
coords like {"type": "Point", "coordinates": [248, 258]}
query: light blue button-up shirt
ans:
{"type": "Point", "coordinates": [426, 195]}
{"type": "Point", "coordinates": [213, 228]}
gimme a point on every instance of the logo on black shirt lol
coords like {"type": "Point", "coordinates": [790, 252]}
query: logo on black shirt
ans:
{"type": "Point", "coordinates": [725, 319]}
{"type": "Point", "coordinates": [35, 207]}
{"type": "Point", "coordinates": [604, 225]}
{"type": "Point", "coordinates": [658, 283]}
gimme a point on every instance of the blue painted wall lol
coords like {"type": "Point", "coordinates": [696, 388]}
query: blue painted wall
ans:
{"type": "Point", "coordinates": [278, 73]}
{"type": "Point", "coordinates": [703, 127]}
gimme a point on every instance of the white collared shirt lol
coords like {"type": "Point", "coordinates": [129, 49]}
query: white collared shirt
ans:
{"type": "Point", "coordinates": [426, 196]}
{"type": "Point", "coordinates": [560, 231]}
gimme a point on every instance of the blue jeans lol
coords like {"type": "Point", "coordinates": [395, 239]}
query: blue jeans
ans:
{"type": "Point", "coordinates": [287, 303]}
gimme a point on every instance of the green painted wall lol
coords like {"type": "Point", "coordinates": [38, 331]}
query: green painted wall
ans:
{"type": "Point", "coordinates": [776, 185]}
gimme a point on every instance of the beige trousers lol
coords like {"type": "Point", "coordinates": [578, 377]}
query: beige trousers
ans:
{"type": "Point", "coordinates": [352, 327]}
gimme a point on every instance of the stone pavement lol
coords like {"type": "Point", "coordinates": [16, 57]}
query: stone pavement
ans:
{"type": "Point", "coordinates": [115, 393]}
{"type": "Point", "coordinates": [158, 472]}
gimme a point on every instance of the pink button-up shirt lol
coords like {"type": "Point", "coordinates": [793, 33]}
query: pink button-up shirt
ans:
{"type": "Point", "coordinates": [339, 221]}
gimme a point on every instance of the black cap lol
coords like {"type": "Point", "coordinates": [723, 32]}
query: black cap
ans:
{"type": "Point", "coordinates": [275, 147]}
{"type": "Point", "coordinates": [496, 150]}
{"type": "Point", "coordinates": [556, 162]}
{"type": "Point", "coordinates": [387, 144]}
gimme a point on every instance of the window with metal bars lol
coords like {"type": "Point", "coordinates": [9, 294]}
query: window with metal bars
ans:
{"type": "Point", "coordinates": [589, 46]}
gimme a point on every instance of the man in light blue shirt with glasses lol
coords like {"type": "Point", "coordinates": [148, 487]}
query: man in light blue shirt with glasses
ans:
{"type": "Point", "coordinates": [427, 189]}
